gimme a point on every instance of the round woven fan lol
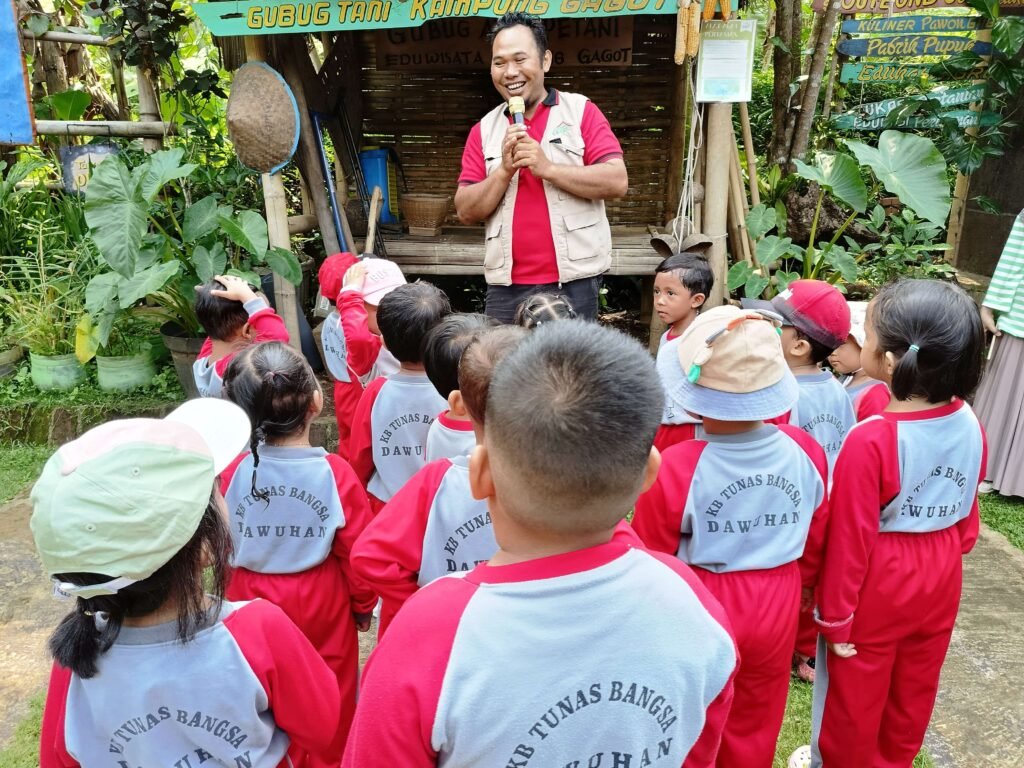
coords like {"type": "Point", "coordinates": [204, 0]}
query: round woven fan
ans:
{"type": "Point", "coordinates": [263, 119]}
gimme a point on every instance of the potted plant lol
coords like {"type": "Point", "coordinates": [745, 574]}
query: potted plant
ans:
{"type": "Point", "coordinates": [10, 353]}
{"type": "Point", "coordinates": [121, 343]}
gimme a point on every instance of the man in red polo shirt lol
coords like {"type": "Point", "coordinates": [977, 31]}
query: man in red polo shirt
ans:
{"type": "Point", "coordinates": [539, 187]}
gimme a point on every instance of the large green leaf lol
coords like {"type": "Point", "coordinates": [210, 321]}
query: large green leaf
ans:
{"type": "Point", "coordinates": [761, 220]}
{"type": "Point", "coordinates": [200, 219]}
{"type": "Point", "coordinates": [148, 281]}
{"type": "Point", "coordinates": [160, 168]}
{"type": "Point", "coordinates": [116, 214]}
{"type": "Point", "coordinates": [69, 105]}
{"type": "Point", "coordinates": [1008, 35]}
{"type": "Point", "coordinates": [840, 175]}
{"type": "Point", "coordinates": [101, 291]}
{"type": "Point", "coordinates": [248, 230]}
{"type": "Point", "coordinates": [284, 263]}
{"type": "Point", "coordinates": [209, 262]}
{"type": "Point", "coordinates": [911, 167]}
{"type": "Point", "coordinates": [739, 273]}
{"type": "Point", "coordinates": [842, 262]}
{"type": "Point", "coordinates": [772, 248]}
{"type": "Point", "coordinates": [755, 286]}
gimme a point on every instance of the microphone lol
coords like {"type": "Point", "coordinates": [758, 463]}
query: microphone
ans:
{"type": "Point", "coordinates": [517, 108]}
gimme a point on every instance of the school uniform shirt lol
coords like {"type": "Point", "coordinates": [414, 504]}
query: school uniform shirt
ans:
{"type": "Point", "coordinates": [448, 438]}
{"type": "Point", "coordinates": [208, 375]}
{"type": "Point", "coordinates": [676, 424]}
{"type": "Point", "coordinates": [389, 431]}
{"type": "Point", "coordinates": [909, 473]}
{"type": "Point", "coordinates": [523, 665]}
{"type": "Point", "coordinates": [869, 398]}
{"type": "Point", "coordinates": [240, 692]}
{"type": "Point", "coordinates": [823, 411]}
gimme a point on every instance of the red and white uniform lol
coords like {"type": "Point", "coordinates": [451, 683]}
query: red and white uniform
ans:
{"type": "Point", "coordinates": [677, 426]}
{"type": "Point", "coordinates": [869, 398]}
{"type": "Point", "coordinates": [208, 375]}
{"type": "Point", "coordinates": [389, 433]}
{"type": "Point", "coordinates": [523, 665]}
{"type": "Point", "coordinates": [247, 690]}
{"type": "Point", "coordinates": [749, 513]}
{"type": "Point", "coordinates": [353, 355]}
{"type": "Point", "coordinates": [294, 550]}
{"type": "Point", "coordinates": [448, 438]}
{"type": "Point", "coordinates": [904, 512]}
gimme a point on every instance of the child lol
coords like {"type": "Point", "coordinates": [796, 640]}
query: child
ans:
{"type": "Point", "coordinates": [542, 308]}
{"type": "Point", "coordinates": [150, 669]}
{"type": "Point", "coordinates": [389, 430]}
{"type": "Point", "coordinates": [868, 397]}
{"type": "Point", "coordinates": [433, 526]}
{"type": "Point", "coordinates": [353, 351]}
{"type": "Point", "coordinates": [295, 513]}
{"type": "Point", "coordinates": [746, 507]}
{"type": "Point", "coordinates": [451, 434]}
{"type": "Point", "coordinates": [234, 317]}
{"type": "Point", "coordinates": [682, 283]}
{"type": "Point", "coordinates": [567, 646]}
{"type": "Point", "coordinates": [905, 511]}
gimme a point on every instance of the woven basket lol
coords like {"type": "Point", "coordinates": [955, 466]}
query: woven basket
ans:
{"type": "Point", "coordinates": [425, 211]}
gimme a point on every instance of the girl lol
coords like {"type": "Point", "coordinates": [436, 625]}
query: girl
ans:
{"type": "Point", "coordinates": [150, 668]}
{"type": "Point", "coordinates": [543, 308]}
{"type": "Point", "coordinates": [295, 512]}
{"type": "Point", "coordinates": [869, 397]}
{"type": "Point", "coordinates": [904, 510]}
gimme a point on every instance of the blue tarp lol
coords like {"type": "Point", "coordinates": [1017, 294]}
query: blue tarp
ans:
{"type": "Point", "coordinates": [15, 104]}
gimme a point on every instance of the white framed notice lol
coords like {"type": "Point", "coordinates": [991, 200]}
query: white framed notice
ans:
{"type": "Point", "coordinates": [726, 62]}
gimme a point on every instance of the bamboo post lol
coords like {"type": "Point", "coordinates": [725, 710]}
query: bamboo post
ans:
{"type": "Point", "coordinates": [677, 140]}
{"type": "Point", "coordinates": [277, 223]}
{"type": "Point", "coordinates": [341, 195]}
{"type": "Point", "coordinates": [716, 196]}
{"type": "Point", "coordinates": [127, 128]}
{"type": "Point", "coordinates": [698, 174]}
{"type": "Point", "coordinates": [149, 107]}
{"type": "Point", "coordinates": [371, 220]}
{"type": "Point", "coordinates": [748, 148]}
{"type": "Point", "coordinates": [741, 199]}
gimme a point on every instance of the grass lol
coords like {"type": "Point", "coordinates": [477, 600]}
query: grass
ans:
{"type": "Point", "coordinates": [19, 466]}
{"type": "Point", "coordinates": [1004, 514]}
{"type": "Point", "coordinates": [23, 750]}
{"type": "Point", "coordinates": [19, 390]}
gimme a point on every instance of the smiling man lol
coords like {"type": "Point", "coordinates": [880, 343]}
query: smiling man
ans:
{"type": "Point", "coordinates": [540, 186]}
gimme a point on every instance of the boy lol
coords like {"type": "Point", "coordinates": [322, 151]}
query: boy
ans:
{"type": "Point", "coordinates": [567, 647]}
{"type": "Point", "coordinates": [234, 317]}
{"type": "Point", "coordinates": [433, 526]}
{"type": "Point", "coordinates": [682, 283]}
{"type": "Point", "coordinates": [390, 425]}
{"type": "Point", "coordinates": [451, 434]}
{"type": "Point", "coordinates": [746, 507]}
{"type": "Point", "coordinates": [353, 351]}
{"type": "Point", "coordinates": [868, 396]}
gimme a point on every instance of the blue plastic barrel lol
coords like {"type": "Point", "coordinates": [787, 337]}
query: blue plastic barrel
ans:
{"type": "Point", "coordinates": [379, 171]}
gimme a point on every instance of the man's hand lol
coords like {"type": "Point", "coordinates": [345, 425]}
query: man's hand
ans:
{"type": "Point", "coordinates": [235, 289]}
{"type": "Point", "coordinates": [843, 650]}
{"type": "Point", "coordinates": [528, 154]}
{"type": "Point", "coordinates": [512, 137]}
{"type": "Point", "coordinates": [989, 321]}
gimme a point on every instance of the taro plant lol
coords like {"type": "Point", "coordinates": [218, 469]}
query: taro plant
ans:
{"type": "Point", "coordinates": [906, 165]}
{"type": "Point", "coordinates": [906, 247]}
{"type": "Point", "coordinates": [159, 248]}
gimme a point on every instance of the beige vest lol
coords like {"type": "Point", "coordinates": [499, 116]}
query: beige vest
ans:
{"type": "Point", "coordinates": [579, 227]}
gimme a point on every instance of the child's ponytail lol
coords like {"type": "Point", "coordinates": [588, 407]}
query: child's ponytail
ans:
{"type": "Point", "coordinates": [906, 373]}
{"type": "Point", "coordinates": [87, 632]}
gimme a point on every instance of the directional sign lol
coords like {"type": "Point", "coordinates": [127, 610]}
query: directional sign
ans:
{"type": "Point", "coordinates": [964, 117]}
{"type": "Point", "coordinates": [902, 25]}
{"type": "Point", "coordinates": [889, 7]}
{"type": "Point", "coordinates": [947, 97]}
{"type": "Point", "coordinates": [912, 45]}
{"type": "Point", "coordinates": [898, 72]}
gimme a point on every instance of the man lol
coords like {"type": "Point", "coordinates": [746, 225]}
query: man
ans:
{"type": "Point", "coordinates": [539, 187]}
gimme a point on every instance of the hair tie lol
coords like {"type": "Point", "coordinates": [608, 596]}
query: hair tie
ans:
{"type": "Point", "coordinates": [913, 348]}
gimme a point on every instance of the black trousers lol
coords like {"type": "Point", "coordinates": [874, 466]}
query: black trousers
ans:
{"type": "Point", "coordinates": [502, 300]}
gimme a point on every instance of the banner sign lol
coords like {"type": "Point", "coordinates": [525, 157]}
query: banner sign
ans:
{"type": "Point", "coordinates": [850, 7]}
{"type": "Point", "coordinates": [898, 72]}
{"type": "Point", "coordinates": [16, 124]}
{"type": "Point", "coordinates": [912, 45]}
{"type": "Point", "coordinates": [965, 119]}
{"type": "Point", "coordinates": [901, 25]}
{"type": "Point", "coordinates": [267, 17]}
{"type": "Point", "coordinates": [725, 65]}
{"type": "Point", "coordinates": [947, 97]}
{"type": "Point", "coordinates": [453, 44]}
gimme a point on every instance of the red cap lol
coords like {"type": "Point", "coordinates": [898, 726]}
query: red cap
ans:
{"type": "Point", "coordinates": [331, 273]}
{"type": "Point", "coordinates": [817, 309]}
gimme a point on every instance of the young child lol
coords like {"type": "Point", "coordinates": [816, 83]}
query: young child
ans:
{"type": "Point", "coordinates": [353, 350]}
{"type": "Point", "coordinates": [234, 317]}
{"type": "Point", "coordinates": [905, 511]}
{"type": "Point", "coordinates": [451, 434]}
{"type": "Point", "coordinates": [868, 397]}
{"type": "Point", "coordinates": [532, 643]}
{"type": "Point", "coordinates": [745, 506]}
{"type": "Point", "coordinates": [433, 526]}
{"type": "Point", "coordinates": [295, 512]}
{"type": "Point", "coordinates": [389, 430]}
{"type": "Point", "coordinates": [152, 667]}
{"type": "Point", "coordinates": [542, 308]}
{"type": "Point", "coordinates": [682, 283]}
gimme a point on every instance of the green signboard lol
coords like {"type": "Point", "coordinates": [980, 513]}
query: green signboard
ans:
{"type": "Point", "coordinates": [267, 17]}
{"type": "Point", "coordinates": [947, 97]}
{"type": "Point", "coordinates": [898, 72]}
{"type": "Point", "coordinates": [902, 25]}
{"type": "Point", "coordinates": [964, 117]}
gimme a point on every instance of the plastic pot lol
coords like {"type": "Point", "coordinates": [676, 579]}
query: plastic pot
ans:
{"type": "Point", "coordinates": [55, 371]}
{"type": "Point", "coordinates": [124, 372]}
{"type": "Point", "coordinates": [184, 351]}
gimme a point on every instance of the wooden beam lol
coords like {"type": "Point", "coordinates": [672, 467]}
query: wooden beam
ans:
{"type": "Point", "coordinates": [716, 195]}
{"type": "Point", "coordinates": [57, 36]}
{"type": "Point", "coordinates": [300, 225]}
{"type": "Point", "coordinates": [149, 107]}
{"type": "Point", "coordinates": [123, 128]}
{"type": "Point", "coordinates": [677, 141]}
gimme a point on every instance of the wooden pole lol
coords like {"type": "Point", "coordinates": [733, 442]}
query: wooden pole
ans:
{"type": "Point", "coordinates": [739, 203]}
{"type": "Point", "coordinates": [277, 223]}
{"type": "Point", "coordinates": [341, 195]}
{"type": "Point", "coordinates": [677, 141]}
{"type": "Point", "coordinates": [812, 88]}
{"type": "Point", "coordinates": [748, 148]}
{"type": "Point", "coordinates": [716, 196]}
{"type": "Point", "coordinates": [149, 107]}
{"type": "Point", "coordinates": [67, 37]}
{"type": "Point", "coordinates": [126, 128]}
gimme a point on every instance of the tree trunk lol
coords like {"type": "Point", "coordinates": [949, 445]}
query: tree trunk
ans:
{"type": "Point", "coordinates": [809, 103]}
{"type": "Point", "coordinates": [782, 59]}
